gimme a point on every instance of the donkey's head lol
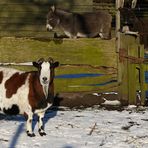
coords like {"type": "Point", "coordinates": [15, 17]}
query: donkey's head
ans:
{"type": "Point", "coordinates": [52, 19]}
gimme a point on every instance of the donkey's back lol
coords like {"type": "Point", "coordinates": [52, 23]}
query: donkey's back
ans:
{"type": "Point", "coordinates": [93, 24]}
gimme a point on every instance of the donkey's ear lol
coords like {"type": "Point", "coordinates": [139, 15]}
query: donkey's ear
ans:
{"type": "Point", "coordinates": [52, 8]}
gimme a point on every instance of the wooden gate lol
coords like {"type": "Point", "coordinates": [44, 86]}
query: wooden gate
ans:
{"type": "Point", "coordinates": [131, 65]}
{"type": "Point", "coordinates": [131, 70]}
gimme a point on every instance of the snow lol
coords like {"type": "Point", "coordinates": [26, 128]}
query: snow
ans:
{"type": "Point", "coordinates": [111, 102]}
{"type": "Point", "coordinates": [17, 64]}
{"type": "Point", "coordinates": [87, 128]}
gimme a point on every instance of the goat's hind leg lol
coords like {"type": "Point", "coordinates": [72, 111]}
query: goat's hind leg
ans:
{"type": "Point", "coordinates": [41, 124]}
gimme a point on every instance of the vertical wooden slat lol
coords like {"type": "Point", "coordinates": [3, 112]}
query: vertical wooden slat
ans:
{"type": "Point", "coordinates": [132, 83]}
{"type": "Point", "coordinates": [142, 83]}
{"type": "Point", "coordinates": [133, 51]}
{"type": "Point", "coordinates": [142, 76]}
{"type": "Point", "coordinates": [123, 70]}
{"type": "Point", "coordinates": [120, 65]}
{"type": "Point", "coordinates": [117, 25]}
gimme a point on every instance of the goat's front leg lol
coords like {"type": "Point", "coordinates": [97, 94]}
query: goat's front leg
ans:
{"type": "Point", "coordinates": [41, 124]}
{"type": "Point", "coordinates": [29, 125]}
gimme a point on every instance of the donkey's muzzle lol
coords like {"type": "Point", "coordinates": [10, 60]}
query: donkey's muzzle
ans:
{"type": "Point", "coordinates": [49, 27]}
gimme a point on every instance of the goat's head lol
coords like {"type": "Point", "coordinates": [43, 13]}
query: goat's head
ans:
{"type": "Point", "coordinates": [46, 70]}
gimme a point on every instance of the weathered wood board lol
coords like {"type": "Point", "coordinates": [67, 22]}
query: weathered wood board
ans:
{"type": "Point", "coordinates": [131, 72]}
{"type": "Point", "coordinates": [86, 64]}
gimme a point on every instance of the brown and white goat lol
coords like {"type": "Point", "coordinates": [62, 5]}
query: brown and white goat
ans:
{"type": "Point", "coordinates": [28, 93]}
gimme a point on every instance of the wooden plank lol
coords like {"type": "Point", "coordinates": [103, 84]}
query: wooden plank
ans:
{"type": "Point", "coordinates": [132, 51]}
{"type": "Point", "coordinates": [81, 56]}
{"type": "Point", "coordinates": [28, 33]}
{"type": "Point", "coordinates": [132, 83]}
{"type": "Point", "coordinates": [71, 82]}
{"type": "Point", "coordinates": [143, 86]}
{"type": "Point", "coordinates": [142, 75]}
{"type": "Point", "coordinates": [121, 64]}
{"type": "Point", "coordinates": [123, 72]}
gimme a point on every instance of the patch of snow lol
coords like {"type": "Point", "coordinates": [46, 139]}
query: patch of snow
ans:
{"type": "Point", "coordinates": [110, 93]}
{"type": "Point", "coordinates": [17, 64]}
{"type": "Point", "coordinates": [111, 102]}
{"type": "Point", "coordinates": [131, 106]}
{"type": "Point", "coordinates": [96, 94]}
{"type": "Point", "coordinates": [93, 128]}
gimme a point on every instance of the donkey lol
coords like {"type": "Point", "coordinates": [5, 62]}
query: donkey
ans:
{"type": "Point", "coordinates": [91, 24]}
{"type": "Point", "coordinates": [130, 23]}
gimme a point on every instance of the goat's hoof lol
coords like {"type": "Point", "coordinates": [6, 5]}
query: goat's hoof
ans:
{"type": "Point", "coordinates": [30, 134]}
{"type": "Point", "coordinates": [42, 133]}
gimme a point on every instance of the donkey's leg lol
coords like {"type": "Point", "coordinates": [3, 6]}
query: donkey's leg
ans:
{"type": "Point", "coordinates": [105, 35]}
{"type": "Point", "coordinates": [106, 32]}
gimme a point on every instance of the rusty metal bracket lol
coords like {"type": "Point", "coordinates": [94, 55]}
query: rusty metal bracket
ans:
{"type": "Point", "coordinates": [123, 56]}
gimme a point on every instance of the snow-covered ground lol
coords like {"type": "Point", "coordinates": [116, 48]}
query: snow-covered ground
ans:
{"type": "Point", "coordinates": [88, 128]}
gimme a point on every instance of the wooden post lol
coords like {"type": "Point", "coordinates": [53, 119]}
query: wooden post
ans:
{"type": "Point", "coordinates": [132, 51]}
{"type": "Point", "coordinates": [118, 40]}
{"type": "Point", "coordinates": [121, 64]}
{"type": "Point", "coordinates": [123, 79]}
{"type": "Point", "coordinates": [117, 25]}
{"type": "Point", "coordinates": [143, 85]}
{"type": "Point", "coordinates": [132, 87]}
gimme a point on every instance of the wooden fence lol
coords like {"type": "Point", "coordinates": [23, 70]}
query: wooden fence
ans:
{"type": "Point", "coordinates": [87, 65]}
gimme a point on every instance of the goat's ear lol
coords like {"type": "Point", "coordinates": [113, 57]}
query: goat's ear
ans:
{"type": "Point", "coordinates": [55, 64]}
{"type": "Point", "coordinates": [35, 64]}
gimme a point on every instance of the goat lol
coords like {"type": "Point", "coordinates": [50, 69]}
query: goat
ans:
{"type": "Point", "coordinates": [28, 93]}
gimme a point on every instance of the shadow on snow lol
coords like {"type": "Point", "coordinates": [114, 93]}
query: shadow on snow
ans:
{"type": "Point", "coordinates": [21, 127]}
